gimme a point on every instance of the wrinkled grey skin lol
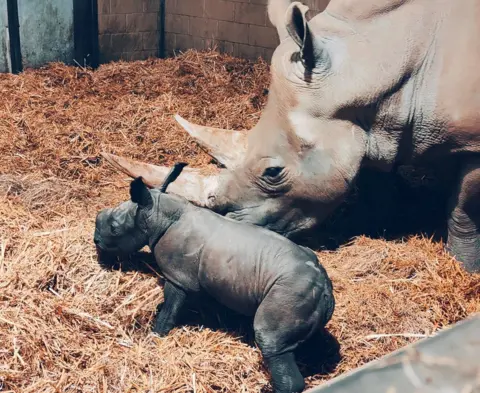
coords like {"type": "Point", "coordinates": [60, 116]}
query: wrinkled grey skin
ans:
{"type": "Point", "coordinates": [371, 83]}
{"type": "Point", "coordinates": [249, 269]}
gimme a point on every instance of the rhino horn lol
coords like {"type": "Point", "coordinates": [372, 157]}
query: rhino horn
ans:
{"type": "Point", "coordinates": [191, 184]}
{"type": "Point", "coordinates": [226, 146]}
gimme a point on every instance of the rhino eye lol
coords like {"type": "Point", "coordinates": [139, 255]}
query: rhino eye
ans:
{"type": "Point", "coordinates": [272, 171]}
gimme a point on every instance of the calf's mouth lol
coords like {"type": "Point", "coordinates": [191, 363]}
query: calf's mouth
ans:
{"type": "Point", "coordinates": [106, 258]}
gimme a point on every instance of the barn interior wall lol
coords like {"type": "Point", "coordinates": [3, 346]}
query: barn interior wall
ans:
{"type": "Point", "coordinates": [130, 29]}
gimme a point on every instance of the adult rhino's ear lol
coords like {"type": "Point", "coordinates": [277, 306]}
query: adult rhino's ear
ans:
{"type": "Point", "coordinates": [140, 194]}
{"type": "Point", "coordinates": [299, 30]}
{"type": "Point", "coordinates": [276, 14]}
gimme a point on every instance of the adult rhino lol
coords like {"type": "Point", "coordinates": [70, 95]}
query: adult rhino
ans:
{"type": "Point", "coordinates": [373, 83]}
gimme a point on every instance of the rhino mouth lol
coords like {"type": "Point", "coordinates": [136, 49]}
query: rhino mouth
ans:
{"type": "Point", "coordinates": [287, 226]}
{"type": "Point", "coordinates": [244, 215]}
{"type": "Point", "coordinates": [106, 258]}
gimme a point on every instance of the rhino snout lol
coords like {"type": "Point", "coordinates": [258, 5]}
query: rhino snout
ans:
{"type": "Point", "coordinates": [211, 200]}
{"type": "Point", "coordinates": [96, 238]}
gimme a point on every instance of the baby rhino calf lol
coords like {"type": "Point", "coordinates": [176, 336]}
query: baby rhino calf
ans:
{"type": "Point", "coordinates": [249, 269]}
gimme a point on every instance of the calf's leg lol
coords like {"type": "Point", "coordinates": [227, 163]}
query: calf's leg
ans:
{"type": "Point", "coordinates": [286, 377]}
{"type": "Point", "coordinates": [174, 299]}
{"type": "Point", "coordinates": [464, 222]}
{"type": "Point", "coordinates": [287, 316]}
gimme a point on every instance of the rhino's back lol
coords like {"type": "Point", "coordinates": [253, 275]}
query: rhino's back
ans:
{"type": "Point", "coordinates": [433, 44]}
{"type": "Point", "coordinates": [240, 262]}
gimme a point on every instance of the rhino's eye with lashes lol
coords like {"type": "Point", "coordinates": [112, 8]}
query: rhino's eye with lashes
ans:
{"type": "Point", "coordinates": [272, 172]}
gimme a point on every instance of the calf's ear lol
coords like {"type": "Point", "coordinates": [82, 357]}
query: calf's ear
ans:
{"type": "Point", "coordinates": [140, 194]}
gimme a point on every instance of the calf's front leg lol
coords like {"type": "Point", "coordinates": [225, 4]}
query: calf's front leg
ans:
{"type": "Point", "coordinates": [174, 299]}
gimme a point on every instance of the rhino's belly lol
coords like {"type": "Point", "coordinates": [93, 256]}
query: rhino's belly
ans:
{"type": "Point", "coordinates": [230, 283]}
{"type": "Point", "coordinates": [239, 263]}
{"type": "Point", "coordinates": [236, 299]}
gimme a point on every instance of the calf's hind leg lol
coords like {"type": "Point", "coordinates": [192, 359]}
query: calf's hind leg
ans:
{"type": "Point", "coordinates": [282, 322]}
{"type": "Point", "coordinates": [174, 299]}
{"type": "Point", "coordinates": [464, 222]}
{"type": "Point", "coordinates": [286, 377]}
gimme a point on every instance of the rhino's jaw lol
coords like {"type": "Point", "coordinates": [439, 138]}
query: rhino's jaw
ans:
{"type": "Point", "coordinates": [106, 258]}
{"type": "Point", "coordinates": [289, 222]}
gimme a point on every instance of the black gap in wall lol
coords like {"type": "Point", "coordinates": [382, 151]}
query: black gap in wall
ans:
{"type": "Point", "coordinates": [161, 29]}
{"type": "Point", "coordinates": [14, 36]}
{"type": "Point", "coordinates": [85, 32]}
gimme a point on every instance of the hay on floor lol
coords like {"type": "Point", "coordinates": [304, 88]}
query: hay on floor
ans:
{"type": "Point", "coordinates": [67, 325]}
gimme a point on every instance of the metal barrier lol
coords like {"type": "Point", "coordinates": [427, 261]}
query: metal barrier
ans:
{"type": "Point", "coordinates": [448, 362]}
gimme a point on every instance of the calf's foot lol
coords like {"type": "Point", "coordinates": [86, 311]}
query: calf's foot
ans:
{"type": "Point", "coordinates": [286, 377]}
{"type": "Point", "coordinates": [174, 299]}
{"type": "Point", "coordinates": [284, 319]}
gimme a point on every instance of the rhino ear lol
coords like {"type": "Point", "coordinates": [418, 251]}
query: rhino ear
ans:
{"type": "Point", "coordinates": [299, 30]}
{"type": "Point", "coordinates": [140, 194]}
{"type": "Point", "coordinates": [276, 14]}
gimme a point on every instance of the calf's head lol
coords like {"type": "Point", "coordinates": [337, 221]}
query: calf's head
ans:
{"type": "Point", "coordinates": [138, 222]}
{"type": "Point", "coordinates": [296, 164]}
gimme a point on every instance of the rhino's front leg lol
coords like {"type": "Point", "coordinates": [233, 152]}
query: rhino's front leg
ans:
{"type": "Point", "coordinates": [464, 222]}
{"type": "Point", "coordinates": [174, 299]}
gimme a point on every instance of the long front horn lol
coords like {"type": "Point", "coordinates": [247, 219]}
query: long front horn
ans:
{"type": "Point", "coordinates": [190, 184]}
{"type": "Point", "coordinates": [227, 147]}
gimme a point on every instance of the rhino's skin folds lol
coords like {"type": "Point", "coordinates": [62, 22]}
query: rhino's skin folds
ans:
{"type": "Point", "coordinates": [376, 83]}
{"type": "Point", "coordinates": [249, 269]}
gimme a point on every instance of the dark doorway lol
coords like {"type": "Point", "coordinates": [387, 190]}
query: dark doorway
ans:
{"type": "Point", "coordinates": [85, 33]}
{"type": "Point", "coordinates": [14, 35]}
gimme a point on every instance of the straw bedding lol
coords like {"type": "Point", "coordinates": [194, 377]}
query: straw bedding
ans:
{"type": "Point", "coordinates": [69, 325]}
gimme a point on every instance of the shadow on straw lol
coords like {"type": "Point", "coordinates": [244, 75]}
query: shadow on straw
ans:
{"type": "Point", "coordinates": [319, 355]}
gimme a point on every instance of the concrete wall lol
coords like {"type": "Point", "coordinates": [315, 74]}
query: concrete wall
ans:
{"type": "Point", "coordinates": [239, 27]}
{"type": "Point", "coordinates": [4, 50]}
{"type": "Point", "coordinates": [46, 31]}
{"type": "Point", "coordinates": [128, 29]}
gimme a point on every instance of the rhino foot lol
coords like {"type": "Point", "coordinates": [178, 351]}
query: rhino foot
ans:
{"type": "Point", "coordinates": [464, 222]}
{"type": "Point", "coordinates": [466, 251]}
{"type": "Point", "coordinates": [174, 299]}
{"type": "Point", "coordinates": [286, 377]}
